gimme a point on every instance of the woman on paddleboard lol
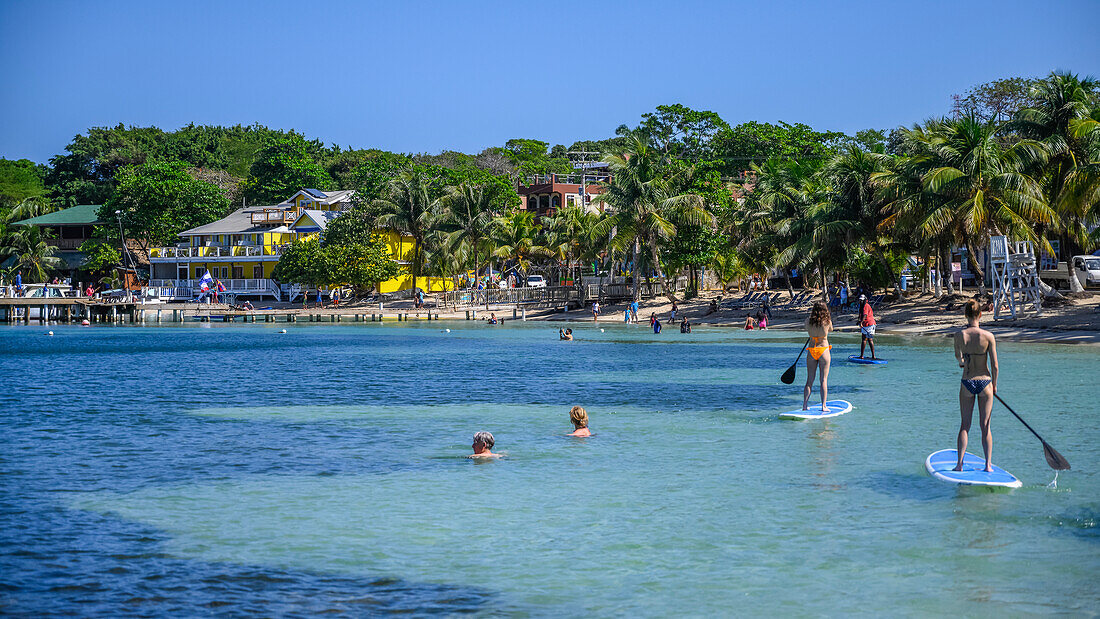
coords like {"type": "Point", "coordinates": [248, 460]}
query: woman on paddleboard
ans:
{"type": "Point", "coordinates": [976, 352]}
{"type": "Point", "coordinates": [818, 357]}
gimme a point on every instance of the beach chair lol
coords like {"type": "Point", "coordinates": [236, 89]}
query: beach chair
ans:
{"type": "Point", "coordinates": [733, 303]}
{"type": "Point", "coordinates": [751, 300]}
{"type": "Point", "coordinates": [875, 299]}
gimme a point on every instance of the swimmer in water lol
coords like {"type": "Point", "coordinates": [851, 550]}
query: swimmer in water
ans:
{"type": "Point", "coordinates": [568, 335]}
{"type": "Point", "coordinates": [818, 325]}
{"type": "Point", "coordinates": [976, 352]}
{"type": "Point", "coordinates": [579, 417]}
{"type": "Point", "coordinates": [483, 444]}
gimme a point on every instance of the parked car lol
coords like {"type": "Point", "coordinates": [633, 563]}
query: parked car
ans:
{"type": "Point", "coordinates": [536, 281]}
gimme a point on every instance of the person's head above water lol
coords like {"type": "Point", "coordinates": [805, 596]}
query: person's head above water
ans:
{"type": "Point", "coordinates": [483, 444]}
{"type": "Point", "coordinates": [972, 309]}
{"type": "Point", "coordinates": [579, 417]}
{"type": "Point", "coordinates": [819, 315]}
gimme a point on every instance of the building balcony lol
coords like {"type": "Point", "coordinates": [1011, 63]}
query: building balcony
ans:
{"type": "Point", "coordinates": [216, 252]}
{"type": "Point", "coordinates": [274, 217]}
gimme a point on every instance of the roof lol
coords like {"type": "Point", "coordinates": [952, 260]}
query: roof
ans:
{"type": "Point", "coordinates": [237, 222]}
{"type": "Point", "coordinates": [325, 197]}
{"type": "Point", "coordinates": [313, 221]}
{"type": "Point", "coordinates": [80, 215]}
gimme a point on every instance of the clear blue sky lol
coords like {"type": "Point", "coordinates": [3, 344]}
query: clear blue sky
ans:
{"type": "Point", "coordinates": [415, 76]}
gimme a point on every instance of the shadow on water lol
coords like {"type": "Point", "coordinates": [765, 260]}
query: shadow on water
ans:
{"type": "Point", "coordinates": [913, 487]}
{"type": "Point", "coordinates": [76, 562]}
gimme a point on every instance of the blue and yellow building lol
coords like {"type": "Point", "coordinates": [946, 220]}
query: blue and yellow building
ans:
{"type": "Point", "coordinates": [243, 248]}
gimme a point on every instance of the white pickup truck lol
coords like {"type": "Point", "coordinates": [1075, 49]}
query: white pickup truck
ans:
{"type": "Point", "coordinates": [1085, 268]}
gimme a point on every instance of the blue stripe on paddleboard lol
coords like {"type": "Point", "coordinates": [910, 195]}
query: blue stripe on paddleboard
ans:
{"type": "Point", "coordinates": [866, 360]}
{"type": "Point", "coordinates": [940, 463]}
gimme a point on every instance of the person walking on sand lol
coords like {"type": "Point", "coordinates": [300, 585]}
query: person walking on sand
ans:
{"type": "Point", "coordinates": [320, 299]}
{"type": "Point", "coordinates": [818, 357]}
{"type": "Point", "coordinates": [976, 352]}
{"type": "Point", "coordinates": [634, 312]}
{"type": "Point", "coordinates": [672, 314]}
{"type": "Point", "coordinates": [766, 305]}
{"type": "Point", "coordinates": [595, 310]}
{"type": "Point", "coordinates": [866, 326]}
{"type": "Point", "coordinates": [579, 417]}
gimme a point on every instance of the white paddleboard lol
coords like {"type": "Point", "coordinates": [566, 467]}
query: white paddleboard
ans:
{"type": "Point", "coordinates": [836, 408]}
{"type": "Point", "coordinates": [940, 463]}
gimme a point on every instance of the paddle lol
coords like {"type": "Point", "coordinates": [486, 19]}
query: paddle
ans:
{"type": "Point", "coordinates": [788, 376]}
{"type": "Point", "coordinates": [1054, 459]}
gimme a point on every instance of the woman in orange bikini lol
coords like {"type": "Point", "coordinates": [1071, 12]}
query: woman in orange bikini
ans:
{"type": "Point", "coordinates": [818, 326]}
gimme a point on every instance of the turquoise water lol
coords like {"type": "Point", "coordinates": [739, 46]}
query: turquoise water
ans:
{"type": "Point", "coordinates": [232, 470]}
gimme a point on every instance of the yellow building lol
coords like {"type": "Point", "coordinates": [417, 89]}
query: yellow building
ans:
{"type": "Point", "coordinates": [242, 249]}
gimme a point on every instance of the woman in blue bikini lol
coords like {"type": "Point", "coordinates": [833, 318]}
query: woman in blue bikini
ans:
{"type": "Point", "coordinates": [973, 347]}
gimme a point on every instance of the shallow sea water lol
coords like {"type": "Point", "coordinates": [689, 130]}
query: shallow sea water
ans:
{"type": "Point", "coordinates": [232, 470]}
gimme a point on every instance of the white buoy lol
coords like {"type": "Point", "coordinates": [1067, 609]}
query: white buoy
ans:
{"type": "Point", "coordinates": [50, 333]}
{"type": "Point", "coordinates": [448, 330]}
{"type": "Point", "coordinates": [282, 331]}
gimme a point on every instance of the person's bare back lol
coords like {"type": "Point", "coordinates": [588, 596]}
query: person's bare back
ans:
{"type": "Point", "coordinates": [972, 349]}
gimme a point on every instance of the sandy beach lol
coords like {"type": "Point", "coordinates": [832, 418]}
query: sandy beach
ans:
{"type": "Point", "coordinates": [1075, 321]}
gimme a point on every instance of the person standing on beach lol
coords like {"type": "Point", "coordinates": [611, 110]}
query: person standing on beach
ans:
{"type": "Point", "coordinates": [672, 315]}
{"type": "Point", "coordinates": [818, 357]}
{"type": "Point", "coordinates": [19, 283]}
{"type": "Point", "coordinates": [843, 295]}
{"type": "Point", "coordinates": [634, 311]}
{"type": "Point", "coordinates": [320, 299]}
{"type": "Point", "coordinates": [595, 310]}
{"type": "Point", "coordinates": [866, 326]}
{"type": "Point", "coordinates": [976, 352]}
{"type": "Point", "coordinates": [766, 305]}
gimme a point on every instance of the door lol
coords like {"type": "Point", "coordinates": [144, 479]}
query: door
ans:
{"type": "Point", "coordinates": [258, 272]}
{"type": "Point", "coordinates": [238, 272]}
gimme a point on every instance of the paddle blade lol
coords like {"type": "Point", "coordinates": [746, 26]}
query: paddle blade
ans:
{"type": "Point", "coordinates": [1055, 459]}
{"type": "Point", "coordinates": [788, 376]}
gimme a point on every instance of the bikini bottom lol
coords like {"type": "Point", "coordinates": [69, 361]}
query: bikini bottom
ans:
{"type": "Point", "coordinates": [976, 385]}
{"type": "Point", "coordinates": [817, 351]}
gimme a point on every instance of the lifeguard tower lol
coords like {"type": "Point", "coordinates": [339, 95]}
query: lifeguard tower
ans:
{"type": "Point", "coordinates": [1015, 277]}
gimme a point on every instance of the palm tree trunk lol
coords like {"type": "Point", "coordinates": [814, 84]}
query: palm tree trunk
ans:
{"type": "Point", "coordinates": [886, 265]}
{"type": "Point", "coordinates": [634, 269]}
{"type": "Point", "coordinates": [975, 266]}
{"type": "Point", "coordinates": [945, 272]}
{"type": "Point", "coordinates": [787, 278]}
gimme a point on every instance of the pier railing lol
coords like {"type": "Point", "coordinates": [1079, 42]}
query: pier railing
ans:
{"type": "Point", "coordinates": [550, 295]}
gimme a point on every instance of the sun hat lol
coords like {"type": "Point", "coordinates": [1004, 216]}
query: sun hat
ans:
{"type": "Point", "coordinates": [862, 297]}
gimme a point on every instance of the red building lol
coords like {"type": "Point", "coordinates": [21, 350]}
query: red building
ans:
{"type": "Point", "coordinates": [544, 195]}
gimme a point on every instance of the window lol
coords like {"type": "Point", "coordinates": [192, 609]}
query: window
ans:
{"type": "Point", "coordinates": [198, 272]}
{"type": "Point", "coordinates": [225, 272]}
{"type": "Point", "coordinates": [258, 272]}
{"type": "Point", "coordinates": [238, 272]}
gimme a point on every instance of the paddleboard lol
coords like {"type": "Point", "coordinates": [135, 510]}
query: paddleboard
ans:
{"type": "Point", "coordinates": [836, 408]}
{"type": "Point", "coordinates": [940, 463]}
{"type": "Point", "coordinates": [866, 360]}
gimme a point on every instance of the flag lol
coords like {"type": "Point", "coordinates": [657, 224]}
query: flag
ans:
{"type": "Point", "coordinates": [206, 281]}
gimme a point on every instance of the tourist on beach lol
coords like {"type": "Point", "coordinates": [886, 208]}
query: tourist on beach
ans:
{"type": "Point", "coordinates": [19, 283]}
{"type": "Point", "coordinates": [750, 323]}
{"type": "Point", "coordinates": [766, 305]}
{"type": "Point", "coordinates": [595, 310]}
{"type": "Point", "coordinates": [634, 311]}
{"type": "Point", "coordinates": [626, 314]}
{"type": "Point", "coordinates": [843, 295]}
{"type": "Point", "coordinates": [976, 352]}
{"type": "Point", "coordinates": [320, 299]}
{"type": "Point", "coordinates": [656, 324]}
{"type": "Point", "coordinates": [866, 326]}
{"type": "Point", "coordinates": [335, 297]}
{"type": "Point", "coordinates": [247, 305]}
{"type": "Point", "coordinates": [685, 326]}
{"type": "Point", "coordinates": [483, 444]}
{"type": "Point", "coordinates": [492, 319]}
{"type": "Point", "coordinates": [818, 325]}
{"type": "Point", "coordinates": [652, 318]}
{"type": "Point", "coordinates": [713, 307]}
{"type": "Point", "coordinates": [672, 314]}
{"type": "Point", "coordinates": [579, 417]}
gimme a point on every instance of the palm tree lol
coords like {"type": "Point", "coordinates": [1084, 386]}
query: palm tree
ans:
{"type": "Point", "coordinates": [513, 237]}
{"type": "Point", "coordinates": [568, 236]}
{"type": "Point", "coordinates": [985, 187]}
{"type": "Point", "coordinates": [31, 253]}
{"type": "Point", "coordinates": [464, 214]}
{"type": "Point", "coordinates": [1060, 120]}
{"type": "Point", "coordinates": [407, 207]}
{"type": "Point", "coordinates": [644, 208]}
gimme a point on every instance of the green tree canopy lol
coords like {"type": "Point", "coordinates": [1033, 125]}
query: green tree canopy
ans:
{"type": "Point", "coordinates": [160, 200]}
{"type": "Point", "coordinates": [283, 166]}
